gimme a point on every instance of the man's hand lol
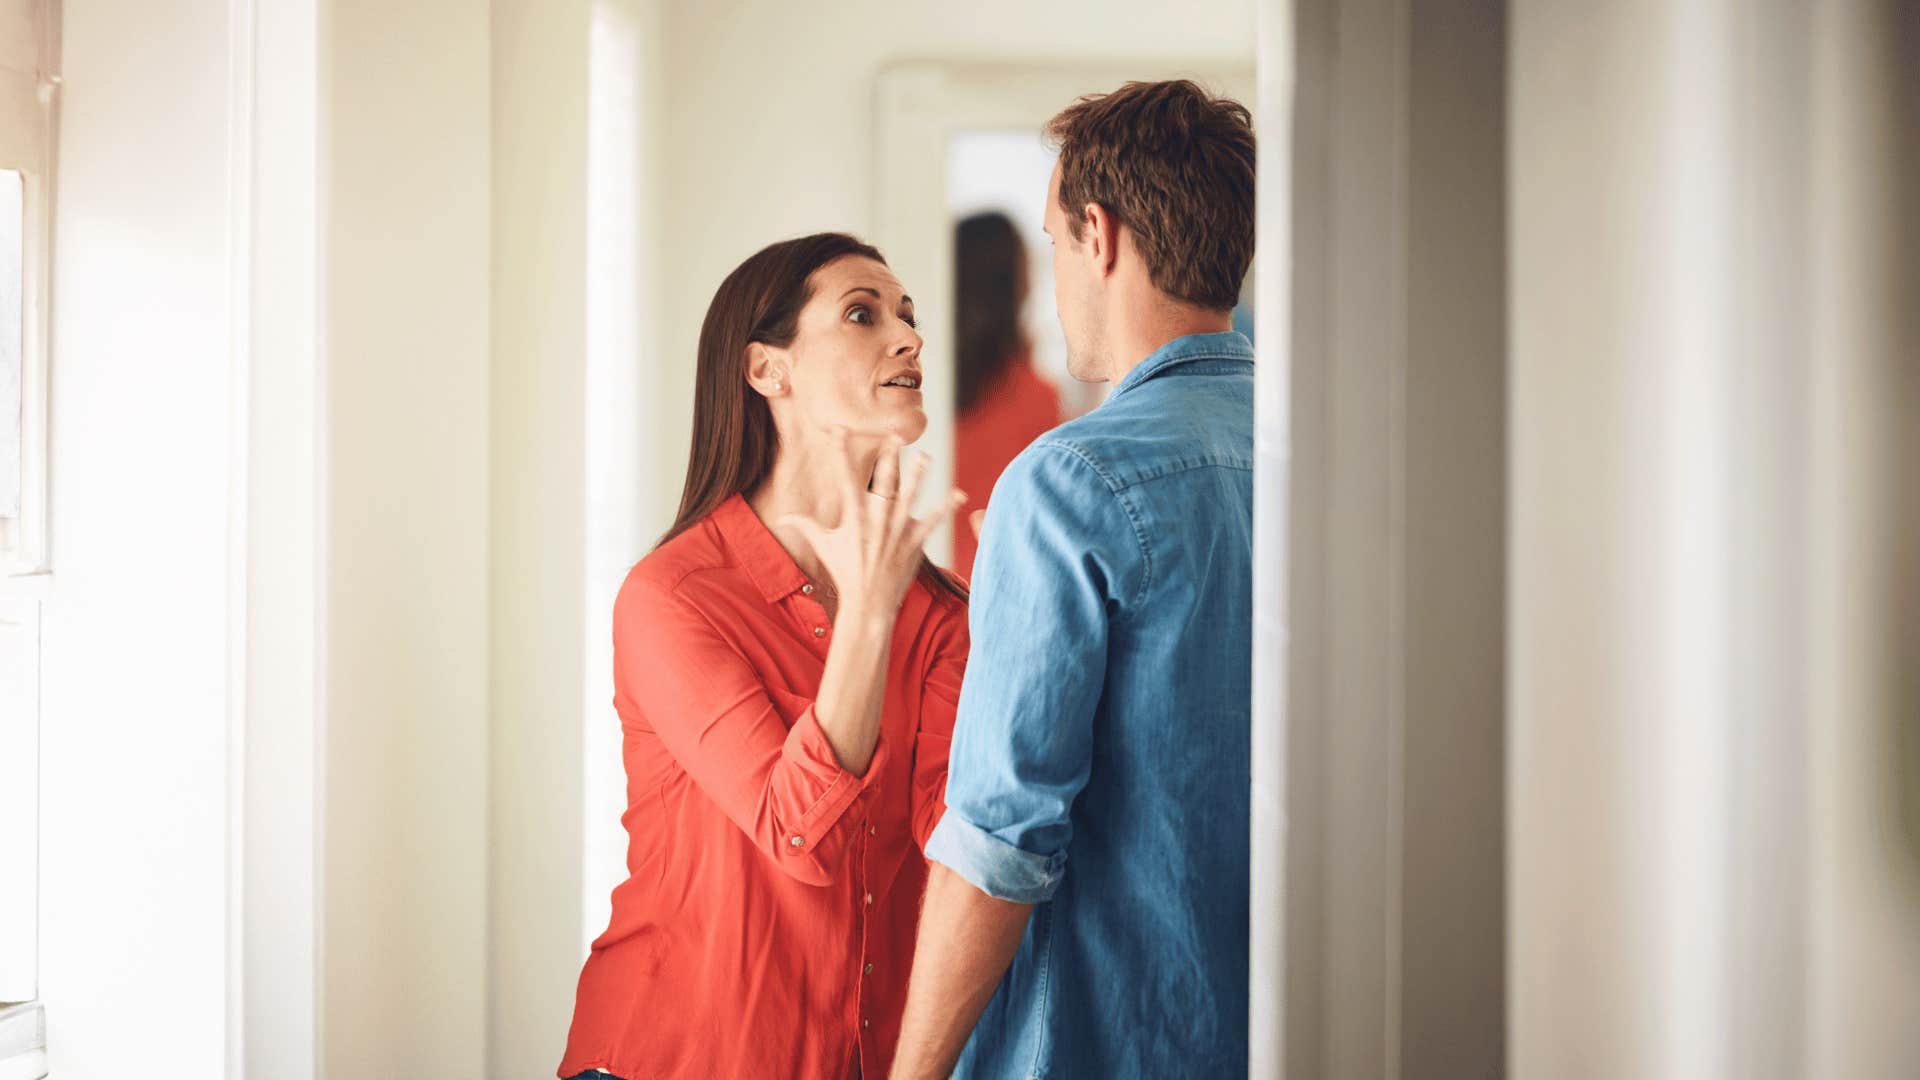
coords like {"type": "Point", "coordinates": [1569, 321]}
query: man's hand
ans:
{"type": "Point", "coordinates": [967, 939]}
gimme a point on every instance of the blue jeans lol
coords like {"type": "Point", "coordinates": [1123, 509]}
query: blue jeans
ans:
{"type": "Point", "coordinates": [594, 1074]}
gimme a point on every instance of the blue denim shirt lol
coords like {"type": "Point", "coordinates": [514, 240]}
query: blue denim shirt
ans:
{"type": "Point", "coordinates": [1099, 765]}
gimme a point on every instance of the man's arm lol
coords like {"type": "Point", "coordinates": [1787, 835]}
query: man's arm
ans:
{"type": "Point", "coordinates": [1059, 549]}
{"type": "Point", "coordinates": [967, 939]}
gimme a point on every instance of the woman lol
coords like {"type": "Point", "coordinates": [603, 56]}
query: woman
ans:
{"type": "Point", "coordinates": [1002, 403]}
{"type": "Point", "coordinates": [786, 666]}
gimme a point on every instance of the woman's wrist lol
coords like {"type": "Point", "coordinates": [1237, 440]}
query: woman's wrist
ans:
{"type": "Point", "coordinates": [861, 613]}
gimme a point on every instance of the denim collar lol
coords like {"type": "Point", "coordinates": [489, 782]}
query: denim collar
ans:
{"type": "Point", "coordinates": [1230, 346]}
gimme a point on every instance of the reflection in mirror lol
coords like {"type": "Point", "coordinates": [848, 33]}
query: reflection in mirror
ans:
{"type": "Point", "coordinates": [1006, 172]}
{"type": "Point", "coordinates": [1010, 356]}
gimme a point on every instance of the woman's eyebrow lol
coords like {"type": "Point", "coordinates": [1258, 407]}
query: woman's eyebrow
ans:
{"type": "Point", "coordinates": [875, 293]}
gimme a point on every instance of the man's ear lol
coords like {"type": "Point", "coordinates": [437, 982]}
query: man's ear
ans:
{"type": "Point", "coordinates": [1103, 237]}
{"type": "Point", "coordinates": [766, 370]}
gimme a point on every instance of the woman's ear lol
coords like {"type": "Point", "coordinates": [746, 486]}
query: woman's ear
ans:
{"type": "Point", "coordinates": [766, 370]}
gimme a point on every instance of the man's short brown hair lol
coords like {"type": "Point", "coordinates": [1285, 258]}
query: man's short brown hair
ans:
{"type": "Point", "coordinates": [1174, 164]}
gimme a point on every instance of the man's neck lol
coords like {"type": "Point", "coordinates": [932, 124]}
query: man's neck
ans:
{"type": "Point", "coordinates": [1149, 334]}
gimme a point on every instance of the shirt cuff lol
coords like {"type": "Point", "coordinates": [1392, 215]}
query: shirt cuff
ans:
{"type": "Point", "coordinates": [808, 754]}
{"type": "Point", "coordinates": [992, 865]}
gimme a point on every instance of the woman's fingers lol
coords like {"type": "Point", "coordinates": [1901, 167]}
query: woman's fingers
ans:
{"type": "Point", "coordinates": [883, 500]}
{"type": "Point", "coordinates": [886, 470]}
{"type": "Point", "coordinates": [909, 491]}
{"type": "Point", "coordinates": [924, 527]}
{"type": "Point", "coordinates": [883, 527]}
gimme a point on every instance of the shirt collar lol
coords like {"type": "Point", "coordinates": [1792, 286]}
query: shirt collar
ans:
{"type": "Point", "coordinates": [1228, 345]}
{"type": "Point", "coordinates": [758, 554]}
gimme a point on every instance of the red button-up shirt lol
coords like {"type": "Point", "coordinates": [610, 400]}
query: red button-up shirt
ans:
{"type": "Point", "coordinates": [766, 925]}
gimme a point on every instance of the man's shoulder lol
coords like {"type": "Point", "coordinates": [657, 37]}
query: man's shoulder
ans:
{"type": "Point", "coordinates": [1071, 455]}
{"type": "Point", "coordinates": [1059, 479]}
{"type": "Point", "coordinates": [1128, 442]}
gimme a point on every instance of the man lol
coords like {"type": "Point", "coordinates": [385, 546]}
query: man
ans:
{"type": "Point", "coordinates": [1092, 863]}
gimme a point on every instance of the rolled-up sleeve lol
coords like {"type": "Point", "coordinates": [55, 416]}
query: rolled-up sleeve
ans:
{"type": "Point", "coordinates": [783, 787]}
{"type": "Point", "coordinates": [1058, 555]}
{"type": "Point", "coordinates": [992, 865]}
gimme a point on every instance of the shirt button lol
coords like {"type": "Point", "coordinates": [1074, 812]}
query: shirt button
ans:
{"type": "Point", "coordinates": [797, 841]}
{"type": "Point", "coordinates": [806, 590]}
{"type": "Point", "coordinates": [869, 899]}
{"type": "Point", "coordinates": [865, 1023]}
{"type": "Point", "coordinates": [869, 969]}
{"type": "Point", "coordinates": [819, 631]}
{"type": "Point", "coordinates": [873, 830]}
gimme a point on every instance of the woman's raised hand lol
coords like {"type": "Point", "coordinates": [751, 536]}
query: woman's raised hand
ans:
{"type": "Point", "coordinates": [876, 548]}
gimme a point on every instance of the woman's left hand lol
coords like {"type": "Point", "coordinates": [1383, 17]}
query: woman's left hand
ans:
{"type": "Point", "coordinates": [876, 548]}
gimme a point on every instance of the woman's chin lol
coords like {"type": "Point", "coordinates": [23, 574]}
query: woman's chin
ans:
{"type": "Point", "coordinates": [909, 425]}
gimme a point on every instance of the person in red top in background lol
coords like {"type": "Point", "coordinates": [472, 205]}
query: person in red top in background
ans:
{"type": "Point", "coordinates": [786, 667]}
{"type": "Point", "coordinates": [1003, 405]}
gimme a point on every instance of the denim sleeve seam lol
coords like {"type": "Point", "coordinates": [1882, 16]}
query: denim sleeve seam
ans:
{"type": "Point", "coordinates": [1119, 494]}
{"type": "Point", "coordinates": [1043, 1050]}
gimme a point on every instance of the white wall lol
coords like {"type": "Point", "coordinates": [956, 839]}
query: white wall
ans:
{"type": "Point", "coordinates": [404, 325]}
{"type": "Point", "coordinates": [576, 97]}
{"type": "Point", "coordinates": [152, 251]}
{"type": "Point", "coordinates": [1713, 700]}
{"type": "Point", "coordinates": [1620, 724]}
{"type": "Point", "coordinates": [369, 158]}
{"type": "Point", "coordinates": [274, 1011]}
{"type": "Point", "coordinates": [133, 751]}
{"type": "Point", "coordinates": [1393, 427]}
{"type": "Point", "coordinates": [1270, 876]}
{"type": "Point", "coordinates": [539, 268]}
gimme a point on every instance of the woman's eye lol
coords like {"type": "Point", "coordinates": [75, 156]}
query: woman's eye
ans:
{"type": "Point", "coordinates": [859, 315]}
{"type": "Point", "coordinates": [910, 321]}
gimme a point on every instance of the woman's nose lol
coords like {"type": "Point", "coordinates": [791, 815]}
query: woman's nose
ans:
{"type": "Point", "coordinates": [908, 345]}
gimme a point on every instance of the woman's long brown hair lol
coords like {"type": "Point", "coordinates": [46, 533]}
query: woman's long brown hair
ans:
{"type": "Point", "coordinates": [734, 440]}
{"type": "Point", "coordinates": [989, 277]}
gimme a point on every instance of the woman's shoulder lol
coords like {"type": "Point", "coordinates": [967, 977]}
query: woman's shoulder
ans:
{"type": "Point", "coordinates": [667, 570]}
